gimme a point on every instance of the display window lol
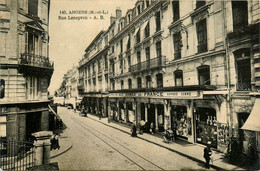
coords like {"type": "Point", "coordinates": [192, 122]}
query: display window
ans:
{"type": "Point", "coordinates": [179, 121]}
{"type": "Point", "coordinates": [206, 126]}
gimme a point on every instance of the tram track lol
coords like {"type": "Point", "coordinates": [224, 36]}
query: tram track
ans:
{"type": "Point", "coordinates": [140, 161]}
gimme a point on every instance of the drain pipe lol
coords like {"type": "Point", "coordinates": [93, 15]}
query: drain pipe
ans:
{"type": "Point", "coordinates": [229, 105]}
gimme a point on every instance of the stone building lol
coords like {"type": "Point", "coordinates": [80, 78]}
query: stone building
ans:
{"type": "Point", "coordinates": [173, 64]}
{"type": "Point", "coordinates": [25, 68]}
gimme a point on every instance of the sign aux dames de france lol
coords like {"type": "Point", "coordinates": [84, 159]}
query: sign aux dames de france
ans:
{"type": "Point", "coordinates": [160, 94]}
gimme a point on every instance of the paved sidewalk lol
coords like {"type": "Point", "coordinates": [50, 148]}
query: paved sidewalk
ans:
{"type": "Point", "coordinates": [191, 151]}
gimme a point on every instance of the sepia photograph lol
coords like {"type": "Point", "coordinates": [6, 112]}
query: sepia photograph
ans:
{"type": "Point", "coordinates": [129, 85]}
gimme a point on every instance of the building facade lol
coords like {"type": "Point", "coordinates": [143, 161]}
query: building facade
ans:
{"type": "Point", "coordinates": [172, 64]}
{"type": "Point", "coordinates": [25, 68]}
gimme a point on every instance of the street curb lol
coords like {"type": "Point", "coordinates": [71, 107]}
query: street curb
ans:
{"type": "Point", "coordinates": [180, 153]}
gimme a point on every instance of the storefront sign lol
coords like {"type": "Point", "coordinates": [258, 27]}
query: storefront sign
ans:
{"type": "Point", "coordinates": [159, 94]}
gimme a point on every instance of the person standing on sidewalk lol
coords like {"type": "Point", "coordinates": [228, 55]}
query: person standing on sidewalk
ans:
{"type": "Point", "coordinates": [134, 134]}
{"type": "Point", "coordinates": [207, 154]}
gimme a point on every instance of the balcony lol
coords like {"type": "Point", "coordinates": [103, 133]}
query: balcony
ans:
{"type": "Point", "coordinates": [244, 86]}
{"type": "Point", "coordinates": [149, 64]}
{"type": "Point", "coordinates": [30, 63]}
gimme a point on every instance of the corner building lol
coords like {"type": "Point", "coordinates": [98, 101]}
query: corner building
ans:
{"type": "Point", "coordinates": [25, 68]}
{"type": "Point", "coordinates": [169, 64]}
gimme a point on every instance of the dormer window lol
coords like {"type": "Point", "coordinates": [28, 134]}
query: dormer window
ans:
{"type": "Point", "coordinates": [129, 18]}
{"type": "Point", "coordinates": [147, 3]}
{"type": "Point", "coordinates": [122, 25]}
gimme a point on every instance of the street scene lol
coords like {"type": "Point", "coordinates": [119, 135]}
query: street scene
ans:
{"type": "Point", "coordinates": [129, 85]}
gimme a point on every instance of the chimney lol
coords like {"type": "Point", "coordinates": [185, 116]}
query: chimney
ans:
{"type": "Point", "coordinates": [112, 19]}
{"type": "Point", "coordinates": [118, 13]}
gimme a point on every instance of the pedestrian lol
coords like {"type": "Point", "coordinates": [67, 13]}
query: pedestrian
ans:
{"type": "Point", "coordinates": [100, 115]}
{"type": "Point", "coordinates": [52, 141]}
{"type": "Point", "coordinates": [142, 123]}
{"type": "Point", "coordinates": [134, 134]}
{"type": "Point", "coordinates": [55, 142]}
{"type": "Point", "coordinates": [151, 128]}
{"type": "Point", "coordinates": [207, 154]}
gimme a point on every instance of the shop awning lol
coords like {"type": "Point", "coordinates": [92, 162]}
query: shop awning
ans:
{"type": "Point", "coordinates": [53, 112]}
{"type": "Point", "coordinates": [253, 121]}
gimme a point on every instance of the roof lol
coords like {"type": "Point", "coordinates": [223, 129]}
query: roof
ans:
{"type": "Point", "coordinates": [95, 39]}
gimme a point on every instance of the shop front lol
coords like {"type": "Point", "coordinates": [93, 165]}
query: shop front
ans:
{"type": "Point", "coordinates": [205, 126]}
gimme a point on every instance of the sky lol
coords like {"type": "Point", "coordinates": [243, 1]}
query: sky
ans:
{"type": "Point", "coordinates": [70, 38]}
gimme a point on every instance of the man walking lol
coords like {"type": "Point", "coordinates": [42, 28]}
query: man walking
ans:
{"type": "Point", "coordinates": [207, 154]}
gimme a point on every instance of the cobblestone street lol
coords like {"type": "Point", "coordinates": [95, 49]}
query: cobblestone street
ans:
{"type": "Point", "coordinates": [96, 146]}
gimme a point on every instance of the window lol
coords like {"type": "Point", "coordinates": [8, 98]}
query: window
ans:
{"type": "Point", "coordinates": [129, 42]}
{"type": "Point", "coordinates": [129, 83]}
{"type": "Point", "coordinates": [99, 65]}
{"type": "Point", "coordinates": [113, 49]}
{"type": "Point", "coordinates": [94, 82]}
{"type": "Point", "coordinates": [121, 45]}
{"type": "Point", "coordinates": [147, 30]}
{"type": "Point", "coordinates": [204, 75]}
{"type": "Point", "coordinates": [176, 10]}
{"type": "Point", "coordinates": [112, 84]}
{"type": "Point", "coordinates": [147, 53]}
{"type": "Point", "coordinates": [177, 45]}
{"type": "Point", "coordinates": [240, 14]}
{"type": "Point", "coordinates": [3, 123]}
{"type": "Point", "coordinates": [113, 33]}
{"type": "Point", "coordinates": [158, 21]}
{"type": "Point", "coordinates": [178, 78]}
{"type": "Point", "coordinates": [129, 17]}
{"type": "Point", "coordinates": [138, 9]}
{"type": "Point", "coordinates": [106, 40]}
{"type": "Point", "coordinates": [158, 49]}
{"type": "Point", "coordinates": [139, 59]}
{"type": "Point", "coordinates": [138, 36]}
{"type": "Point", "coordinates": [3, 36]}
{"type": "Point", "coordinates": [139, 82]}
{"type": "Point", "coordinates": [148, 81]}
{"type": "Point", "coordinates": [159, 80]}
{"type": "Point", "coordinates": [202, 36]}
{"type": "Point", "coordinates": [129, 61]}
{"type": "Point", "coordinates": [32, 87]}
{"type": "Point", "coordinates": [122, 84]}
{"type": "Point", "coordinates": [93, 68]}
{"type": "Point", "coordinates": [2, 88]}
{"type": "Point", "coordinates": [33, 7]}
{"type": "Point", "coordinates": [147, 3]}
{"type": "Point", "coordinates": [122, 25]}
{"type": "Point", "coordinates": [105, 59]}
{"type": "Point", "coordinates": [33, 45]}
{"type": "Point", "coordinates": [200, 3]}
{"type": "Point", "coordinates": [243, 69]}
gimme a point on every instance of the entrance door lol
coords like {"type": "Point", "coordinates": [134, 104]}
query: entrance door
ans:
{"type": "Point", "coordinates": [243, 139]}
{"type": "Point", "coordinates": [33, 123]}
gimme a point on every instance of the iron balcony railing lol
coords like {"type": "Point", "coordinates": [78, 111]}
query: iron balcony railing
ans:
{"type": "Point", "coordinates": [35, 60]}
{"type": "Point", "coordinates": [244, 86]}
{"type": "Point", "coordinates": [149, 64]}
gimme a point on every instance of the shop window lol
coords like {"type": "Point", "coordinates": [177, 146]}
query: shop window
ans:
{"type": "Point", "coordinates": [176, 10]}
{"type": "Point", "coordinates": [2, 88]}
{"type": "Point", "coordinates": [138, 36]}
{"type": "Point", "coordinates": [129, 83]}
{"type": "Point", "coordinates": [147, 30]}
{"type": "Point", "coordinates": [200, 3]}
{"type": "Point", "coordinates": [243, 69]}
{"type": "Point", "coordinates": [204, 75]}
{"type": "Point", "coordinates": [206, 126]}
{"type": "Point", "coordinates": [180, 122]}
{"type": "Point", "coordinates": [33, 7]}
{"type": "Point", "coordinates": [160, 109]}
{"type": "Point", "coordinates": [240, 14]}
{"type": "Point", "coordinates": [202, 36]}
{"type": "Point", "coordinates": [158, 21]}
{"type": "Point", "coordinates": [139, 82]}
{"type": "Point", "coordinates": [177, 45]}
{"type": "Point", "coordinates": [159, 80]}
{"type": "Point", "coordinates": [129, 42]}
{"type": "Point", "coordinates": [148, 81]}
{"type": "Point", "coordinates": [178, 78]}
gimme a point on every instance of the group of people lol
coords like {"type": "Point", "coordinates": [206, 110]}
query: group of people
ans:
{"type": "Point", "coordinates": [144, 127]}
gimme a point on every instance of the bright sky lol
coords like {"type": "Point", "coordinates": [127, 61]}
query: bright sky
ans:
{"type": "Point", "coordinates": [69, 38]}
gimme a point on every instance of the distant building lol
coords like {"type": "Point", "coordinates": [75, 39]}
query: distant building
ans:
{"type": "Point", "coordinates": [25, 68]}
{"type": "Point", "coordinates": [191, 66]}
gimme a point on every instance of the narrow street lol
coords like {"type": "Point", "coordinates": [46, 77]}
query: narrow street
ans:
{"type": "Point", "coordinates": [97, 146]}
